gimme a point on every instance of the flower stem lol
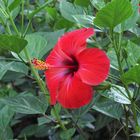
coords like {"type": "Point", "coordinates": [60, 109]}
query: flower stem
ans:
{"type": "Point", "coordinates": [36, 75]}
{"type": "Point", "coordinates": [127, 122]}
{"type": "Point", "coordinates": [117, 49]}
{"type": "Point", "coordinates": [58, 119]}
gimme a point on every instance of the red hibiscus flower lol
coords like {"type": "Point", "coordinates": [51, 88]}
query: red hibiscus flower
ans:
{"type": "Point", "coordinates": [73, 69]}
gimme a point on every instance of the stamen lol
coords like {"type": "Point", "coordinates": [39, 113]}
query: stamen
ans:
{"type": "Point", "coordinates": [40, 65]}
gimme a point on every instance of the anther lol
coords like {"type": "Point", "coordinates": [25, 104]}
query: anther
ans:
{"type": "Point", "coordinates": [40, 65]}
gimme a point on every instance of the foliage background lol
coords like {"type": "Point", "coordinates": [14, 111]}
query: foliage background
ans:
{"type": "Point", "coordinates": [24, 109]}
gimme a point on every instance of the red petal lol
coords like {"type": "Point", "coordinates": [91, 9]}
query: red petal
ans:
{"type": "Point", "coordinates": [53, 80]}
{"type": "Point", "coordinates": [55, 75]}
{"type": "Point", "coordinates": [74, 93]}
{"type": "Point", "coordinates": [94, 66]}
{"type": "Point", "coordinates": [57, 57]}
{"type": "Point", "coordinates": [75, 41]}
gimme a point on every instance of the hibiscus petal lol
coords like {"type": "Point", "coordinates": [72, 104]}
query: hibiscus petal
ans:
{"type": "Point", "coordinates": [73, 93]}
{"type": "Point", "coordinates": [74, 42]}
{"type": "Point", "coordinates": [54, 75]}
{"type": "Point", "coordinates": [57, 57]}
{"type": "Point", "coordinates": [53, 80]}
{"type": "Point", "coordinates": [94, 66]}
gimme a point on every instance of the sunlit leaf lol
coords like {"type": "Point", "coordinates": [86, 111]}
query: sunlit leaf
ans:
{"type": "Point", "coordinates": [108, 107]}
{"type": "Point", "coordinates": [14, 4]}
{"type": "Point", "coordinates": [26, 104]}
{"type": "Point", "coordinates": [12, 43]}
{"type": "Point", "coordinates": [68, 10]}
{"type": "Point", "coordinates": [113, 13]}
{"type": "Point", "coordinates": [133, 75]}
{"type": "Point", "coordinates": [12, 66]}
{"type": "Point", "coordinates": [117, 94]}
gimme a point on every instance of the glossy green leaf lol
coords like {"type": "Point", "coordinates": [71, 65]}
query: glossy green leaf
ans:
{"type": "Point", "coordinates": [29, 130]}
{"type": "Point", "coordinates": [83, 3]}
{"type": "Point", "coordinates": [12, 43]}
{"type": "Point", "coordinates": [43, 120]}
{"type": "Point", "coordinates": [108, 107]}
{"type": "Point", "coordinates": [133, 75]}
{"type": "Point", "coordinates": [86, 120]}
{"type": "Point", "coordinates": [52, 12]}
{"type": "Point", "coordinates": [14, 4]}
{"type": "Point", "coordinates": [51, 38]}
{"type": "Point", "coordinates": [40, 43]}
{"type": "Point", "coordinates": [98, 4]}
{"type": "Point", "coordinates": [34, 129]}
{"type": "Point", "coordinates": [56, 111]}
{"type": "Point", "coordinates": [6, 115]}
{"type": "Point", "coordinates": [6, 134]}
{"type": "Point", "coordinates": [37, 10]}
{"type": "Point", "coordinates": [84, 20]}
{"type": "Point", "coordinates": [135, 135]}
{"type": "Point", "coordinates": [102, 121]}
{"type": "Point", "coordinates": [67, 134]}
{"type": "Point", "coordinates": [63, 23]}
{"type": "Point", "coordinates": [12, 66]}
{"type": "Point", "coordinates": [26, 104]}
{"type": "Point", "coordinates": [135, 30]}
{"type": "Point", "coordinates": [68, 10]}
{"type": "Point", "coordinates": [37, 46]}
{"type": "Point", "coordinates": [117, 94]}
{"type": "Point", "coordinates": [131, 21]}
{"type": "Point", "coordinates": [113, 13]}
{"type": "Point", "coordinates": [133, 52]}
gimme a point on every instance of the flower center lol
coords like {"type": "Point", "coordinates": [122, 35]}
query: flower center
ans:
{"type": "Point", "coordinates": [72, 66]}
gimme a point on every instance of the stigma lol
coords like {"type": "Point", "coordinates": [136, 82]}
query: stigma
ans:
{"type": "Point", "coordinates": [39, 64]}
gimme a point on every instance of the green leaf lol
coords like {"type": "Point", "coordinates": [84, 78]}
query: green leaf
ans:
{"type": "Point", "coordinates": [37, 47]}
{"type": "Point", "coordinates": [98, 4]}
{"type": "Point", "coordinates": [133, 75]}
{"type": "Point", "coordinates": [67, 134]}
{"type": "Point", "coordinates": [83, 3]}
{"type": "Point", "coordinates": [29, 130]}
{"type": "Point", "coordinates": [102, 121]}
{"type": "Point", "coordinates": [12, 43]}
{"type": "Point", "coordinates": [26, 104]}
{"type": "Point", "coordinates": [40, 43]}
{"type": "Point", "coordinates": [117, 94]}
{"type": "Point", "coordinates": [52, 12]}
{"type": "Point", "coordinates": [51, 38]}
{"type": "Point", "coordinates": [68, 10]}
{"type": "Point", "coordinates": [14, 4]}
{"type": "Point", "coordinates": [63, 23]}
{"type": "Point", "coordinates": [131, 21]}
{"type": "Point", "coordinates": [6, 115]}
{"type": "Point", "coordinates": [112, 55]}
{"type": "Point", "coordinates": [6, 134]}
{"type": "Point", "coordinates": [84, 20]}
{"type": "Point", "coordinates": [12, 66]}
{"type": "Point", "coordinates": [37, 10]}
{"type": "Point", "coordinates": [86, 120]}
{"type": "Point", "coordinates": [43, 131]}
{"type": "Point", "coordinates": [135, 30]}
{"type": "Point", "coordinates": [107, 107]}
{"type": "Point", "coordinates": [113, 13]}
{"type": "Point", "coordinates": [43, 120]}
{"type": "Point", "coordinates": [135, 134]}
{"type": "Point", "coordinates": [133, 51]}
{"type": "Point", "coordinates": [56, 111]}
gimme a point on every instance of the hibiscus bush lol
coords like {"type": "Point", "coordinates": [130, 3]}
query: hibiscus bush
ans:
{"type": "Point", "coordinates": [69, 70]}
